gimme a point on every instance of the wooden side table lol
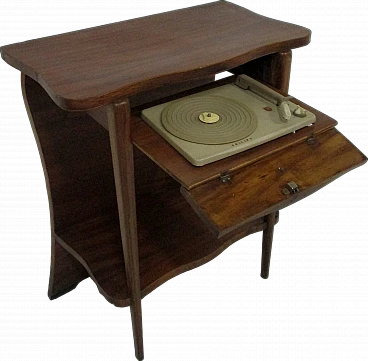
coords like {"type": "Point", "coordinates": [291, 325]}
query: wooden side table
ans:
{"type": "Point", "coordinates": [126, 208]}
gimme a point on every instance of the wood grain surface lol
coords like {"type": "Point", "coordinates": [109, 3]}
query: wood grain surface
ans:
{"type": "Point", "coordinates": [77, 161]}
{"type": "Point", "coordinates": [256, 190]}
{"type": "Point", "coordinates": [98, 66]}
{"type": "Point", "coordinates": [66, 272]}
{"type": "Point", "coordinates": [76, 158]}
{"type": "Point", "coordinates": [273, 69]}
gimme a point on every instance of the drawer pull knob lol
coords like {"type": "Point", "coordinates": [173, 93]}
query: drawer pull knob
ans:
{"type": "Point", "coordinates": [290, 188]}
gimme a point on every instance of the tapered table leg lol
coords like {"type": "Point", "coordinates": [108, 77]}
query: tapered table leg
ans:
{"type": "Point", "coordinates": [123, 163]}
{"type": "Point", "coordinates": [267, 244]}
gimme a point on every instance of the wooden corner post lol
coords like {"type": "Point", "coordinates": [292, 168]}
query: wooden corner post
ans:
{"type": "Point", "coordinates": [119, 122]}
{"type": "Point", "coordinates": [278, 71]}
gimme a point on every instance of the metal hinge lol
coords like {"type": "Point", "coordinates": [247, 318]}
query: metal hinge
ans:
{"type": "Point", "coordinates": [225, 177]}
{"type": "Point", "coordinates": [311, 139]}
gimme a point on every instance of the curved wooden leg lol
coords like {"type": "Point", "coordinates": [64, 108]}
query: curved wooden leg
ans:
{"type": "Point", "coordinates": [267, 245]}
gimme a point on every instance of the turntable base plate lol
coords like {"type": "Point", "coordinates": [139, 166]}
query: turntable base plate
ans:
{"type": "Point", "coordinates": [246, 120]}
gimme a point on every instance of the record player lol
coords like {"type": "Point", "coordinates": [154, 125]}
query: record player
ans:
{"type": "Point", "coordinates": [220, 122]}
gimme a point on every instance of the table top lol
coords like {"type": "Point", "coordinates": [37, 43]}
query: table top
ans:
{"type": "Point", "coordinates": [94, 67]}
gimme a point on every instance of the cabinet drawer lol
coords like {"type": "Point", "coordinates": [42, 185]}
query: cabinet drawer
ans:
{"type": "Point", "coordinates": [262, 187]}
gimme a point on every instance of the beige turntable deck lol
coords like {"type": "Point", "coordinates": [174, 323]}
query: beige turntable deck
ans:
{"type": "Point", "coordinates": [223, 121]}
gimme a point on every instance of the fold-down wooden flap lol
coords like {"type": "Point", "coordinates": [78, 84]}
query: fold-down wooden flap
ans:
{"type": "Point", "coordinates": [259, 188]}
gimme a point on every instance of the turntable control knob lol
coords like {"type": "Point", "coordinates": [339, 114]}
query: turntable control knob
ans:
{"type": "Point", "coordinates": [284, 112]}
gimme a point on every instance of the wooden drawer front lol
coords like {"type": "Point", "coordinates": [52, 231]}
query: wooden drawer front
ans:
{"type": "Point", "coordinates": [257, 189]}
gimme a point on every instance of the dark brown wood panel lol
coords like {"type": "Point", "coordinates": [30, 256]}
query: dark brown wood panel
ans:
{"type": "Point", "coordinates": [81, 197]}
{"type": "Point", "coordinates": [66, 272]}
{"type": "Point", "coordinates": [169, 159]}
{"type": "Point", "coordinates": [273, 69]}
{"type": "Point", "coordinates": [256, 190]}
{"type": "Point", "coordinates": [96, 244]}
{"type": "Point", "coordinates": [98, 66]}
{"type": "Point", "coordinates": [76, 158]}
{"type": "Point", "coordinates": [276, 74]}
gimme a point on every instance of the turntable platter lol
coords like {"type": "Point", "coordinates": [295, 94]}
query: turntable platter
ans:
{"type": "Point", "coordinates": [209, 120]}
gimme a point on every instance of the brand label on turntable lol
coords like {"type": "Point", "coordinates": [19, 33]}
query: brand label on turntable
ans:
{"type": "Point", "coordinates": [226, 120]}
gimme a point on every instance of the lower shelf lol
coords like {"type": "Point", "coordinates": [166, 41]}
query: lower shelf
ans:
{"type": "Point", "coordinates": [172, 240]}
